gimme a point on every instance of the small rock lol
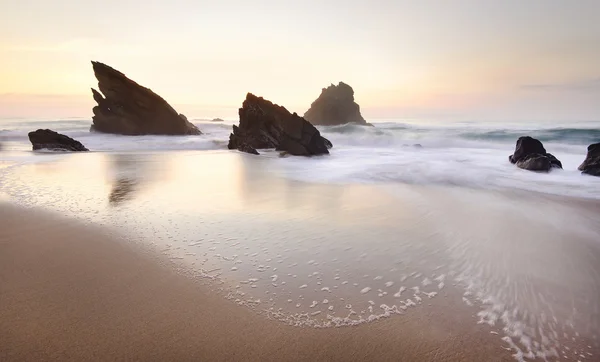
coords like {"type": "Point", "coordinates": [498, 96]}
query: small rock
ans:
{"type": "Point", "coordinates": [50, 140]}
{"type": "Point", "coordinates": [531, 155]}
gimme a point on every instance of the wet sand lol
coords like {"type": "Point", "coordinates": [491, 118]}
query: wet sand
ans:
{"type": "Point", "coordinates": [73, 292]}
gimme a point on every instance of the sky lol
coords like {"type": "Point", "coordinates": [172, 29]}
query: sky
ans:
{"type": "Point", "coordinates": [534, 60]}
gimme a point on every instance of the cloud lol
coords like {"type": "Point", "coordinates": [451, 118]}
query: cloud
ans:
{"type": "Point", "coordinates": [582, 85]}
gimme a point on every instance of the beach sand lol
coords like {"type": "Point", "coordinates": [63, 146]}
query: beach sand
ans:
{"type": "Point", "coordinates": [186, 255]}
{"type": "Point", "coordinates": [72, 292]}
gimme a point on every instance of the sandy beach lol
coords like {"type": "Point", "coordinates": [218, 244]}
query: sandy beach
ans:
{"type": "Point", "coordinates": [72, 292]}
{"type": "Point", "coordinates": [223, 256]}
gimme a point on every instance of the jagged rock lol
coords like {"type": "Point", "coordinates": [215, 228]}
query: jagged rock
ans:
{"type": "Point", "coordinates": [591, 164]}
{"type": "Point", "coordinates": [267, 125]}
{"type": "Point", "coordinates": [335, 106]}
{"type": "Point", "coordinates": [530, 154]}
{"type": "Point", "coordinates": [50, 140]}
{"type": "Point", "coordinates": [128, 108]}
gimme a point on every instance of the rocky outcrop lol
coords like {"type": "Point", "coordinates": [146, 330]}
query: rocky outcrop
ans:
{"type": "Point", "coordinates": [531, 155]}
{"type": "Point", "coordinates": [128, 108]}
{"type": "Point", "coordinates": [50, 140]}
{"type": "Point", "coordinates": [267, 125]}
{"type": "Point", "coordinates": [335, 106]}
{"type": "Point", "coordinates": [591, 164]}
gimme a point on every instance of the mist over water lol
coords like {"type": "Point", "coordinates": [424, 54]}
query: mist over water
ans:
{"type": "Point", "coordinates": [472, 155]}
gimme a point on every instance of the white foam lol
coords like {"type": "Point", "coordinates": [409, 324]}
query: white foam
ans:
{"type": "Point", "coordinates": [399, 293]}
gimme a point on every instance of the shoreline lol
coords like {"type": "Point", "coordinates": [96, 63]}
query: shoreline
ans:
{"type": "Point", "coordinates": [66, 298]}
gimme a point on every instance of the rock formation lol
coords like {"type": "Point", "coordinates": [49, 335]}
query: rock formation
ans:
{"type": "Point", "coordinates": [128, 108]}
{"type": "Point", "coordinates": [267, 125]}
{"type": "Point", "coordinates": [50, 140]}
{"type": "Point", "coordinates": [591, 164]}
{"type": "Point", "coordinates": [335, 106]}
{"type": "Point", "coordinates": [531, 155]}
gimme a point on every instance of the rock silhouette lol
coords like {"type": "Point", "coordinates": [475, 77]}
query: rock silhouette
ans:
{"type": "Point", "coordinates": [531, 155]}
{"type": "Point", "coordinates": [267, 125]}
{"type": "Point", "coordinates": [128, 108]}
{"type": "Point", "coordinates": [50, 140]}
{"type": "Point", "coordinates": [335, 106]}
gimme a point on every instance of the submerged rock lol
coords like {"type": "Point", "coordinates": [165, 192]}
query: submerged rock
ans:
{"type": "Point", "coordinates": [335, 106]}
{"type": "Point", "coordinates": [591, 164]}
{"type": "Point", "coordinates": [128, 108]}
{"type": "Point", "coordinates": [267, 125]}
{"type": "Point", "coordinates": [531, 155]}
{"type": "Point", "coordinates": [50, 140]}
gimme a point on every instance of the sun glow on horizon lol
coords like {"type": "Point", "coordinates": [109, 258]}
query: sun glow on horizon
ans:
{"type": "Point", "coordinates": [402, 58]}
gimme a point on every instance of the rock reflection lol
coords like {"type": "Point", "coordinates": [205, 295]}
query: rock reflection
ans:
{"type": "Point", "coordinates": [282, 192]}
{"type": "Point", "coordinates": [123, 189]}
{"type": "Point", "coordinates": [129, 174]}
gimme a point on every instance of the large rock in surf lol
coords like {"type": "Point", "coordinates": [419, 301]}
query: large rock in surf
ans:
{"type": "Point", "coordinates": [50, 140]}
{"type": "Point", "coordinates": [531, 155]}
{"type": "Point", "coordinates": [267, 125]}
{"type": "Point", "coordinates": [335, 106]}
{"type": "Point", "coordinates": [591, 164]}
{"type": "Point", "coordinates": [128, 108]}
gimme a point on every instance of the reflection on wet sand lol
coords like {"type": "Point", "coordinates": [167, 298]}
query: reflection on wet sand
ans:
{"type": "Point", "coordinates": [129, 173]}
{"type": "Point", "coordinates": [284, 194]}
{"type": "Point", "coordinates": [123, 189]}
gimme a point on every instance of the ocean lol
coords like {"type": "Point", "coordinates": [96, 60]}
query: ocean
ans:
{"type": "Point", "coordinates": [467, 154]}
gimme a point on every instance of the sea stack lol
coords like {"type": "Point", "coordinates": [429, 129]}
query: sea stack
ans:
{"type": "Point", "coordinates": [335, 106]}
{"type": "Point", "coordinates": [531, 155]}
{"type": "Point", "coordinates": [267, 125]}
{"type": "Point", "coordinates": [591, 164]}
{"type": "Point", "coordinates": [54, 141]}
{"type": "Point", "coordinates": [127, 108]}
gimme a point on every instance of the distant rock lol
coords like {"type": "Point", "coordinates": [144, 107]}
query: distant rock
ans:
{"type": "Point", "coordinates": [531, 155]}
{"type": "Point", "coordinates": [267, 125]}
{"type": "Point", "coordinates": [335, 106]}
{"type": "Point", "coordinates": [591, 164]}
{"type": "Point", "coordinates": [50, 140]}
{"type": "Point", "coordinates": [217, 120]}
{"type": "Point", "coordinates": [128, 108]}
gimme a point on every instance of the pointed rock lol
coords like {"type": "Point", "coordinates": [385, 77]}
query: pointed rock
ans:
{"type": "Point", "coordinates": [335, 106]}
{"type": "Point", "coordinates": [128, 108]}
{"type": "Point", "coordinates": [267, 125]}
{"type": "Point", "coordinates": [54, 141]}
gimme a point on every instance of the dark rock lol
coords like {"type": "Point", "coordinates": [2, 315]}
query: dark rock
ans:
{"type": "Point", "coordinates": [267, 125]}
{"type": "Point", "coordinates": [217, 120]}
{"type": "Point", "coordinates": [128, 108]}
{"type": "Point", "coordinates": [335, 106]}
{"type": "Point", "coordinates": [535, 162]}
{"type": "Point", "coordinates": [244, 147]}
{"type": "Point", "coordinates": [530, 154]}
{"type": "Point", "coordinates": [50, 140]}
{"type": "Point", "coordinates": [554, 162]}
{"type": "Point", "coordinates": [591, 164]}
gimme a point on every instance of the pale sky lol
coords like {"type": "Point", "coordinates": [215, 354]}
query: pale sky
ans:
{"type": "Point", "coordinates": [466, 60]}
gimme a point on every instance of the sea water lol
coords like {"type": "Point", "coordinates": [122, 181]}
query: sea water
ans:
{"type": "Point", "coordinates": [463, 154]}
